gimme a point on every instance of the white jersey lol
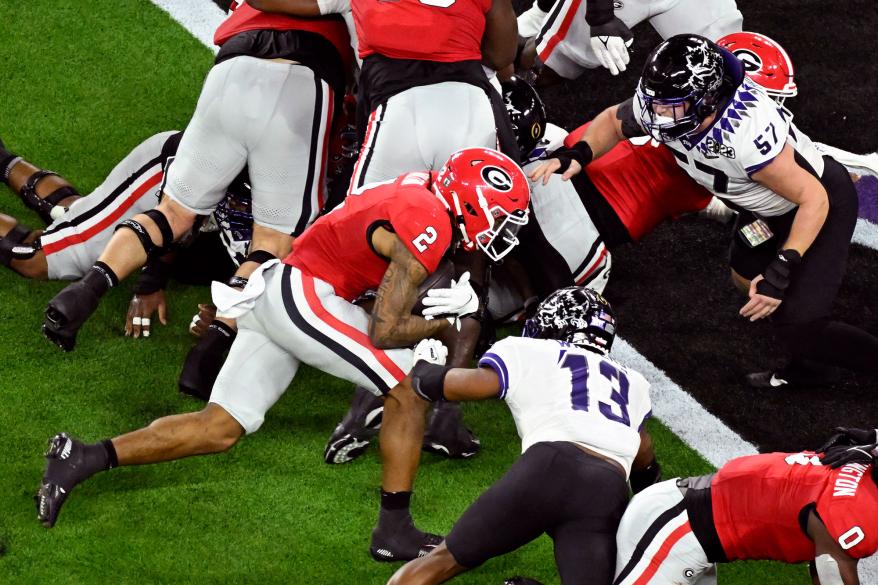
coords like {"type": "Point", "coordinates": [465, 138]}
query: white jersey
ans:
{"type": "Point", "coordinates": [560, 392]}
{"type": "Point", "coordinates": [745, 137]}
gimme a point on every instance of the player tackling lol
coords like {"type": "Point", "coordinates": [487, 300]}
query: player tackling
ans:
{"type": "Point", "coordinates": [301, 311]}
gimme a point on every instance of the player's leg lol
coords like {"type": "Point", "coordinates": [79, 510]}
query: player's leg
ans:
{"type": "Point", "coordinates": [287, 150]}
{"type": "Point", "coordinates": [655, 543]}
{"type": "Point", "coordinates": [256, 374]}
{"type": "Point", "coordinates": [43, 191]}
{"type": "Point", "coordinates": [20, 249]}
{"type": "Point", "coordinates": [585, 540]}
{"type": "Point", "coordinates": [709, 18]}
{"type": "Point", "coordinates": [210, 155]}
{"type": "Point", "coordinates": [803, 319]}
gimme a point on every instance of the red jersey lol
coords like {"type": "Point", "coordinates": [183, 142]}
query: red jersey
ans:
{"type": "Point", "coordinates": [643, 184]}
{"type": "Point", "coordinates": [337, 247]}
{"type": "Point", "coordinates": [244, 17]}
{"type": "Point", "coordinates": [428, 30]}
{"type": "Point", "coordinates": [757, 501]}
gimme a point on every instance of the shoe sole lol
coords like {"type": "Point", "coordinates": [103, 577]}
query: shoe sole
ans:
{"type": "Point", "coordinates": [65, 342]}
{"type": "Point", "coordinates": [344, 450]}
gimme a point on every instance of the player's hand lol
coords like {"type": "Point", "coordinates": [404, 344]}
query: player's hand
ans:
{"type": "Point", "coordinates": [759, 306]}
{"type": "Point", "coordinates": [553, 165]}
{"type": "Point", "coordinates": [140, 310]}
{"type": "Point", "coordinates": [458, 301]}
{"type": "Point", "coordinates": [202, 319]}
{"type": "Point", "coordinates": [431, 351]}
{"type": "Point", "coordinates": [848, 437]}
{"type": "Point", "coordinates": [840, 455]}
{"type": "Point", "coordinates": [610, 42]}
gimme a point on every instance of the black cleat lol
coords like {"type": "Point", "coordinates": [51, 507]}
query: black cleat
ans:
{"type": "Point", "coordinates": [205, 360]}
{"type": "Point", "coordinates": [404, 545]}
{"type": "Point", "coordinates": [67, 313]}
{"type": "Point", "coordinates": [58, 479]}
{"type": "Point", "coordinates": [447, 435]}
{"type": "Point", "coordinates": [521, 581]}
{"type": "Point", "coordinates": [360, 425]}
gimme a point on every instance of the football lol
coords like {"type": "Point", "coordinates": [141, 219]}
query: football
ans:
{"type": "Point", "coordinates": [440, 278]}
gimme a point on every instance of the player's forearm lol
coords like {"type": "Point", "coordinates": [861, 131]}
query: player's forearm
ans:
{"type": "Point", "coordinates": [808, 222]}
{"type": "Point", "coordinates": [604, 132]}
{"type": "Point", "coordinates": [390, 333]}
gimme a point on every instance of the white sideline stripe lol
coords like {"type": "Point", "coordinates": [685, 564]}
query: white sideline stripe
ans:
{"type": "Point", "coordinates": [866, 234]}
{"type": "Point", "coordinates": [684, 415]}
{"type": "Point", "coordinates": [675, 407]}
{"type": "Point", "coordinates": [200, 17]}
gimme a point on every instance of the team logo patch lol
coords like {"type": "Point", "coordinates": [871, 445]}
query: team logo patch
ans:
{"type": "Point", "coordinates": [752, 62]}
{"type": "Point", "coordinates": [688, 573]}
{"type": "Point", "coordinates": [617, 5]}
{"type": "Point", "coordinates": [715, 147]}
{"type": "Point", "coordinates": [497, 178]}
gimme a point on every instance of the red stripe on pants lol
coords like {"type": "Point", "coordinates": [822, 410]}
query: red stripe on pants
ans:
{"type": "Point", "coordinates": [562, 30]}
{"type": "Point", "coordinates": [78, 238]}
{"type": "Point", "coordinates": [662, 553]}
{"type": "Point", "coordinates": [349, 331]}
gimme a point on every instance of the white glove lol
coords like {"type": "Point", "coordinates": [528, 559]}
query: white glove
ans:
{"type": "Point", "coordinates": [458, 301]}
{"type": "Point", "coordinates": [610, 42]}
{"type": "Point", "coordinates": [431, 351]}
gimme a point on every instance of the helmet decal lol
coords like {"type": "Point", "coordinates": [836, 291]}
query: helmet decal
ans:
{"type": "Point", "coordinates": [497, 178]}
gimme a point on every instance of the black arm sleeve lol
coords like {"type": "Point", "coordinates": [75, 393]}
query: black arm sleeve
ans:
{"type": "Point", "coordinates": [630, 125]}
{"type": "Point", "coordinates": [598, 12]}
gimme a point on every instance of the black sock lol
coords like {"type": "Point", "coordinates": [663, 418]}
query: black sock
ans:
{"type": "Point", "coordinates": [81, 462]}
{"type": "Point", "coordinates": [100, 278]}
{"type": "Point", "coordinates": [395, 510]}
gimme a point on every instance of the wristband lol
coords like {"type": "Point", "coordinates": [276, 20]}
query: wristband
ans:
{"type": "Point", "coordinates": [777, 275]}
{"type": "Point", "coordinates": [154, 277]}
{"type": "Point", "coordinates": [238, 282]}
{"type": "Point", "coordinates": [580, 152]}
{"type": "Point", "coordinates": [428, 380]}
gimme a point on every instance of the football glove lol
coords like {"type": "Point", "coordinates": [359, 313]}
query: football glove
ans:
{"type": "Point", "coordinates": [431, 351]}
{"type": "Point", "coordinates": [849, 437]}
{"type": "Point", "coordinates": [778, 274]}
{"type": "Point", "coordinates": [840, 455]}
{"type": "Point", "coordinates": [452, 303]}
{"type": "Point", "coordinates": [610, 42]}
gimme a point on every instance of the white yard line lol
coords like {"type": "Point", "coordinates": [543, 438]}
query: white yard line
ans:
{"type": "Point", "coordinates": [675, 407]}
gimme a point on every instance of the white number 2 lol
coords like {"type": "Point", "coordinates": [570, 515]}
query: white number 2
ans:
{"type": "Point", "coordinates": [802, 459]}
{"type": "Point", "coordinates": [423, 240]}
{"type": "Point", "coordinates": [438, 3]}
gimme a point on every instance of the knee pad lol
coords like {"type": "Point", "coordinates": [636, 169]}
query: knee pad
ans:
{"type": "Point", "coordinates": [44, 206]}
{"type": "Point", "coordinates": [11, 247]}
{"type": "Point", "coordinates": [150, 247]}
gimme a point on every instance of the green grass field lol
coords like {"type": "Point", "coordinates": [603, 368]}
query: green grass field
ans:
{"type": "Point", "coordinates": [82, 84]}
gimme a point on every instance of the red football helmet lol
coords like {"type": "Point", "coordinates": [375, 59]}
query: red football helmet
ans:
{"type": "Point", "coordinates": [765, 62]}
{"type": "Point", "coordinates": [487, 195]}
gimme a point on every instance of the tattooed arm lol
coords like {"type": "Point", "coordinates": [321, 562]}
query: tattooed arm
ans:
{"type": "Point", "coordinates": [392, 323]}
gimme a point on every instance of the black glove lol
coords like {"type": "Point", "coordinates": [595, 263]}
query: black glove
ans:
{"type": "Point", "coordinates": [849, 437]}
{"type": "Point", "coordinates": [580, 152]}
{"type": "Point", "coordinates": [646, 476]}
{"type": "Point", "coordinates": [777, 276]}
{"type": "Point", "coordinates": [840, 455]}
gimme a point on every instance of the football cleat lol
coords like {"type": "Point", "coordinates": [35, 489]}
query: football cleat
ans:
{"type": "Point", "coordinates": [59, 478]}
{"type": "Point", "coordinates": [360, 425]}
{"type": "Point", "coordinates": [521, 581]}
{"type": "Point", "coordinates": [390, 547]}
{"type": "Point", "coordinates": [531, 21]}
{"type": "Point", "coordinates": [447, 435]}
{"type": "Point", "coordinates": [67, 313]}
{"type": "Point", "coordinates": [205, 360]}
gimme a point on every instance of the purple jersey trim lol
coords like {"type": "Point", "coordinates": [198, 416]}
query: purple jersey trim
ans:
{"type": "Point", "coordinates": [495, 362]}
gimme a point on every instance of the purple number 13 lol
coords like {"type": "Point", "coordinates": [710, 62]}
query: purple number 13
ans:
{"type": "Point", "coordinates": [578, 366]}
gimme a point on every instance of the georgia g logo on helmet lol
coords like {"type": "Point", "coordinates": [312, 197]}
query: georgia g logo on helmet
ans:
{"type": "Point", "coordinates": [752, 62]}
{"type": "Point", "coordinates": [497, 178]}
